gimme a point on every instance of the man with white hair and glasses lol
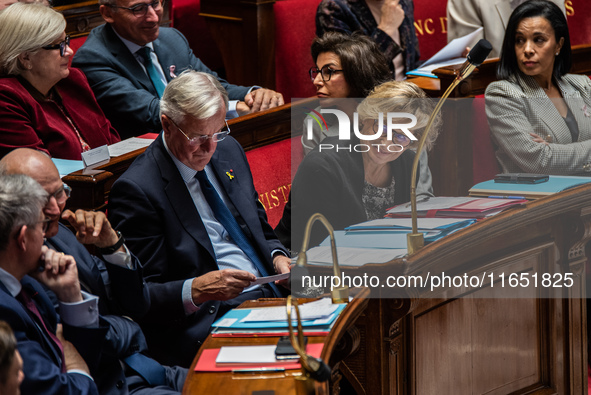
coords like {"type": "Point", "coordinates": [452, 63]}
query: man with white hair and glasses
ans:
{"type": "Point", "coordinates": [190, 212]}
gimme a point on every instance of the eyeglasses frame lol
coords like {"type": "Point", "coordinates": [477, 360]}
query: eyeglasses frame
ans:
{"type": "Point", "coordinates": [403, 138]}
{"type": "Point", "coordinates": [61, 46]}
{"type": "Point", "coordinates": [319, 71]}
{"type": "Point", "coordinates": [156, 4]}
{"type": "Point", "coordinates": [203, 137]}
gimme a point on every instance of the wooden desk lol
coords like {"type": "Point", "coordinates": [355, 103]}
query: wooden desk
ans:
{"type": "Point", "coordinates": [463, 340]}
{"type": "Point", "coordinates": [489, 340]}
{"type": "Point", "coordinates": [342, 341]}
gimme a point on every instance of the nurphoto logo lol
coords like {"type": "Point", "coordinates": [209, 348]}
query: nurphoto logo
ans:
{"type": "Point", "coordinates": [393, 124]}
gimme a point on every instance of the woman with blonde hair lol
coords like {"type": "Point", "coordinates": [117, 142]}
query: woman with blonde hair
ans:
{"type": "Point", "coordinates": [44, 104]}
{"type": "Point", "coordinates": [355, 180]}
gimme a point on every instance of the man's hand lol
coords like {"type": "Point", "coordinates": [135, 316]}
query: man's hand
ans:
{"type": "Point", "coordinates": [59, 274]}
{"type": "Point", "coordinates": [282, 264]}
{"type": "Point", "coordinates": [391, 18]}
{"type": "Point", "coordinates": [262, 99]}
{"type": "Point", "coordinates": [73, 359]}
{"type": "Point", "coordinates": [220, 285]}
{"type": "Point", "coordinates": [92, 227]}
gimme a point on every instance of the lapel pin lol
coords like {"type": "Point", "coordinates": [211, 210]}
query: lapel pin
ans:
{"type": "Point", "coordinates": [172, 68]}
{"type": "Point", "coordinates": [584, 108]}
{"type": "Point", "coordinates": [230, 175]}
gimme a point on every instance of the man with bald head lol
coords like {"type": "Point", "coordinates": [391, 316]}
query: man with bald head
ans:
{"type": "Point", "coordinates": [116, 277]}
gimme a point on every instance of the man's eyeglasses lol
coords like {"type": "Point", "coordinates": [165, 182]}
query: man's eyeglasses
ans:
{"type": "Point", "coordinates": [61, 195]}
{"type": "Point", "coordinates": [61, 46]}
{"type": "Point", "coordinates": [401, 139]}
{"type": "Point", "coordinates": [202, 139]}
{"type": "Point", "coordinates": [141, 9]}
{"type": "Point", "coordinates": [325, 72]}
{"type": "Point", "coordinates": [44, 224]}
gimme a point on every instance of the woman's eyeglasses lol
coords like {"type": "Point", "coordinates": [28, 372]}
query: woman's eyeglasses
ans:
{"type": "Point", "coordinates": [141, 9]}
{"type": "Point", "coordinates": [325, 72]}
{"type": "Point", "coordinates": [61, 46]}
{"type": "Point", "coordinates": [202, 139]}
{"type": "Point", "coordinates": [401, 139]}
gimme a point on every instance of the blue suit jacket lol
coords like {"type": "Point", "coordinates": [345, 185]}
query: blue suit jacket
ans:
{"type": "Point", "coordinates": [123, 90]}
{"type": "Point", "coordinates": [151, 205]}
{"type": "Point", "coordinates": [121, 291]}
{"type": "Point", "coordinates": [41, 362]}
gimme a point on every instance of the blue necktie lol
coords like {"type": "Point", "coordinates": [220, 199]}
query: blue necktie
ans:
{"type": "Point", "coordinates": [223, 214]}
{"type": "Point", "coordinates": [151, 69]}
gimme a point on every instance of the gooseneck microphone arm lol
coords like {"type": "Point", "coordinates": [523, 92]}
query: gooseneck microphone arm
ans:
{"type": "Point", "coordinates": [477, 55]}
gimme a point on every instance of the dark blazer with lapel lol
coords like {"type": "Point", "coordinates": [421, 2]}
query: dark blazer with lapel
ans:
{"type": "Point", "coordinates": [151, 205]}
{"type": "Point", "coordinates": [41, 362]}
{"type": "Point", "coordinates": [123, 90]}
{"type": "Point", "coordinates": [121, 291]}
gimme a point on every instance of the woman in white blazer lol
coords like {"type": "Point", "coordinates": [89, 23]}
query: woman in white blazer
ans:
{"type": "Point", "coordinates": [539, 116]}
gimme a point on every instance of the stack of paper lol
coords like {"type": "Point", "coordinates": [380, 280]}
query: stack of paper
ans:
{"type": "Point", "coordinates": [317, 318]}
{"type": "Point", "coordinates": [554, 184]}
{"type": "Point", "coordinates": [455, 207]}
{"type": "Point", "coordinates": [449, 55]}
{"type": "Point", "coordinates": [249, 359]}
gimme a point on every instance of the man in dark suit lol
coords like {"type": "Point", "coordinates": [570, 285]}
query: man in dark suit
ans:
{"type": "Point", "coordinates": [52, 364]}
{"type": "Point", "coordinates": [195, 261]}
{"type": "Point", "coordinates": [115, 277]}
{"type": "Point", "coordinates": [127, 88]}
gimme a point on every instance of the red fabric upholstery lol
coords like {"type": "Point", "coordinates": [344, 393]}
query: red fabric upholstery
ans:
{"type": "Point", "coordinates": [295, 28]}
{"type": "Point", "coordinates": [76, 43]}
{"type": "Point", "coordinates": [484, 161]}
{"type": "Point", "coordinates": [578, 15]}
{"type": "Point", "coordinates": [185, 17]}
{"type": "Point", "coordinates": [431, 26]}
{"type": "Point", "coordinates": [272, 168]}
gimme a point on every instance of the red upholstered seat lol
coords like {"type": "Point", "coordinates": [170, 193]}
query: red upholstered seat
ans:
{"type": "Point", "coordinates": [76, 43]}
{"type": "Point", "coordinates": [185, 17]}
{"type": "Point", "coordinates": [295, 28]}
{"type": "Point", "coordinates": [431, 26]}
{"type": "Point", "coordinates": [484, 161]}
{"type": "Point", "coordinates": [578, 15]}
{"type": "Point", "coordinates": [273, 167]}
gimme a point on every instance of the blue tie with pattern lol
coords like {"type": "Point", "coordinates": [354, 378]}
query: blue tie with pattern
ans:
{"type": "Point", "coordinates": [223, 214]}
{"type": "Point", "coordinates": [151, 69]}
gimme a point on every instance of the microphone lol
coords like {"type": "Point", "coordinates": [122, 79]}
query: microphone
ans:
{"type": "Point", "coordinates": [314, 368]}
{"type": "Point", "coordinates": [475, 58]}
{"type": "Point", "coordinates": [415, 240]}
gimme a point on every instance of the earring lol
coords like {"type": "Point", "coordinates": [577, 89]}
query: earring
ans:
{"type": "Point", "coordinates": [557, 53]}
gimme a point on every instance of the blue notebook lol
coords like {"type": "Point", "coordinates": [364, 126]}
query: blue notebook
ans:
{"type": "Point", "coordinates": [554, 184]}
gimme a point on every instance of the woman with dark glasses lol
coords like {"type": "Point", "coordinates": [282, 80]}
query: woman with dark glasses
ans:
{"type": "Point", "coordinates": [44, 104]}
{"type": "Point", "coordinates": [355, 180]}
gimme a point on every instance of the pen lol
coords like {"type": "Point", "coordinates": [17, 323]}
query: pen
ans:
{"type": "Point", "coordinates": [424, 199]}
{"type": "Point", "coordinates": [258, 370]}
{"type": "Point", "coordinates": [506, 197]}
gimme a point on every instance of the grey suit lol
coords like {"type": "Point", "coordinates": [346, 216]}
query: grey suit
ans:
{"type": "Point", "coordinates": [519, 106]}
{"type": "Point", "coordinates": [122, 88]}
{"type": "Point", "coordinates": [465, 16]}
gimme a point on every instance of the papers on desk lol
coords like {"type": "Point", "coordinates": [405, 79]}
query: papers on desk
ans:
{"type": "Point", "coordinates": [354, 256]}
{"type": "Point", "coordinates": [322, 308]}
{"type": "Point", "coordinates": [67, 166]}
{"type": "Point", "coordinates": [249, 359]}
{"type": "Point", "coordinates": [449, 55]}
{"type": "Point", "coordinates": [268, 279]}
{"type": "Point", "coordinates": [320, 317]}
{"type": "Point", "coordinates": [128, 145]}
{"type": "Point", "coordinates": [380, 240]}
{"type": "Point", "coordinates": [554, 184]}
{"type": "Point", "coordinates": [455, 207]}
